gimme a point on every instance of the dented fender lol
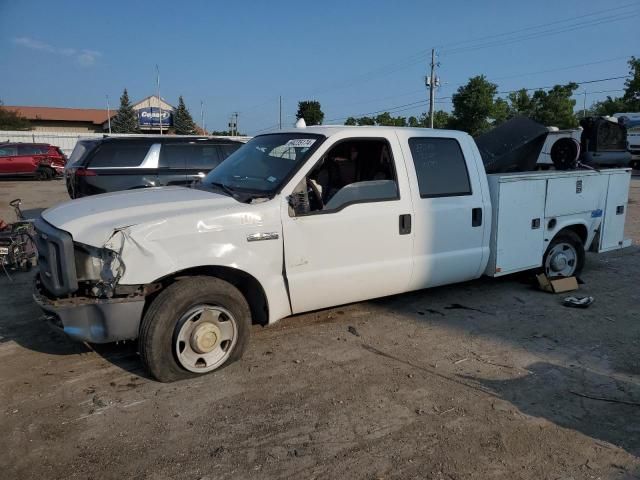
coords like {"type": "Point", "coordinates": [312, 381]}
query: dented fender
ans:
{"type": "Point", "coordinates": [158, 232]}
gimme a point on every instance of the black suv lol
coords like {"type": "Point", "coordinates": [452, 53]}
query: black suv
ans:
{"type": "Point", "coordinates": [121, 163]}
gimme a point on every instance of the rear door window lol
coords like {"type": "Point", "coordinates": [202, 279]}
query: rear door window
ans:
{"type": "Point", "coordinates": [440, 167]}
{"type": "Point", "coordinates": [25, 150]}
{"type": "Point", "coordinates": [119, 155]}
{"type": "Point", "coordinates": [190, 156]}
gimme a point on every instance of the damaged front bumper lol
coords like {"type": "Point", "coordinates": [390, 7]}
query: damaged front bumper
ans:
{"type": "Point", "coordinates": [92, 320]}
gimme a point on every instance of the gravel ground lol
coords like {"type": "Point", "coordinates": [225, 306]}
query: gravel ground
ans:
{"type": "Point", "coordinates": [487, 379]}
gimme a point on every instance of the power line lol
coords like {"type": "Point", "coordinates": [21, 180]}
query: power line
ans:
{"type": "Point", "coordinates": [540, 25]}
{"type": "Point", "coordinates": [420, 56]}
{"type": "Point", "coordinates": [544, 33]}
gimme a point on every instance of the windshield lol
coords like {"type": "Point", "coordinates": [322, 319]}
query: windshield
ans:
{"type": "Point", "coordinates": [264, 163]}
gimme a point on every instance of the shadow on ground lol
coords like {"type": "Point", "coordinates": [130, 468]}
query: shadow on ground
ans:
{"type": "Point", "coordinates": [596, 405]}
{"type": "Point", "coordinates": [26, 328]}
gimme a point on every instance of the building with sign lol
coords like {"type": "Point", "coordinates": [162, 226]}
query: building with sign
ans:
{"type": "Point", "coordinates": [153, 114]}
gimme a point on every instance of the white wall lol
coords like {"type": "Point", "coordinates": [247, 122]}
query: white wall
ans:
{"type": "Point", "coordinates": [66, 141]}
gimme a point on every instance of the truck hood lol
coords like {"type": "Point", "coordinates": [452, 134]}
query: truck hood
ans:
{"type": "Point", "coordinates": [92, 220]}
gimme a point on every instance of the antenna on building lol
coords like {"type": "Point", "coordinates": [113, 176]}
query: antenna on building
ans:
{"type": "Point", "coordinates": [159, 100]}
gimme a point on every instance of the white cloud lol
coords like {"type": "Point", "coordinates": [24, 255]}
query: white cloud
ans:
{"type": "Point", "coordinates": [83, 56]}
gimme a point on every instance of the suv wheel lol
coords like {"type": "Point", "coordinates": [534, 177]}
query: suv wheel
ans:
{"type": "Point", "coordinates": [44, 173]}
{"type": "Point", "coordinates": [195, 326]}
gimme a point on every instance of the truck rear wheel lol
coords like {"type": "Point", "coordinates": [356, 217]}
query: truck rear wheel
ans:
{"type": "Point", "coordinates": [564, 256]}
{"type": "Point", "coordinates": [195, 326]}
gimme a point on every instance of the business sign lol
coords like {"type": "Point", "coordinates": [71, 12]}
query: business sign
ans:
{"type": "Point", "coordinates": [150, 117]}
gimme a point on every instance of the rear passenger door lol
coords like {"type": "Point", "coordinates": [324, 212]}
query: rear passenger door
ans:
{"type": "Point", "coordinates": [451, 216]}
{"type": "Point", "coordinates": [25, 161]}
{"type": "Point", "coordinates": [183, 163]}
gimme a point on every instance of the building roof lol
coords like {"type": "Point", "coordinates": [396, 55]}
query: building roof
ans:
{"type": "Point", "coordinates": [94, 115]}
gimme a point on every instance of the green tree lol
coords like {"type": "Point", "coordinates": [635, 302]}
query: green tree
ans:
{"type": "Point", "coordinates": [183, 123]}
{"type": "Point", "coordinates": [629, 101]}
{"type": "Point", "coordinates": [609, 106]}
{"type": "Point", "coordinates": [351, 121]}
{"type": "Point", "coordinates": [12, 120]}
{"type": "Point", "coordinates": [126, 120]}
{"type": "Point", "coordinates": [473, 105]}
{"type": "Point", "coordinates": [631, 95]}
{"type": "Point", "coordinates": [520, 103]}
{"type": "Point", "coordinates": [385, 119]}
{"type": "Point", "coordinates": [555, 107]}
{"type": "Point", "coordinates": [311, 111]}
{"type": "Point", "coordinates": [441, 119]}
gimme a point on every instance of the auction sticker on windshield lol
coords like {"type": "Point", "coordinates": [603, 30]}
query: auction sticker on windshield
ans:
{"type": "Point", "coordinates": [300, 142]}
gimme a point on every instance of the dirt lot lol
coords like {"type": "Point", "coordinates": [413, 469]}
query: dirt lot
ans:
{"type": "Point", "coordinates": [488, 379]}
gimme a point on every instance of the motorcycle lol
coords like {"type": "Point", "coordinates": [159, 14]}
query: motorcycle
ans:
{"type": "Point", "coordinates": [17, 246]}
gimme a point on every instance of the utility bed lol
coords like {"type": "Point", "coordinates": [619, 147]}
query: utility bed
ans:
{"type": "Point", "coordinates": [528, 209]}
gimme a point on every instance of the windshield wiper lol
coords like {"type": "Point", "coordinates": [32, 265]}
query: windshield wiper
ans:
{"type": "Point", "coordinates": [224, 188]}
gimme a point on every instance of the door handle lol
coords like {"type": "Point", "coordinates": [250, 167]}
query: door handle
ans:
{"type": "Point", "coordinates": [476, 217]}
{"type": "Point", "coordinates": [405, 224]}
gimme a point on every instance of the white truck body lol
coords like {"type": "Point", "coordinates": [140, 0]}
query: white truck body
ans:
{"type": "Point", "coordinates": [495, 225]}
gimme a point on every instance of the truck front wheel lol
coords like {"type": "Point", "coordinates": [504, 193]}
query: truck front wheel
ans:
{"type": "Point", "coordinates": [565, 255]}
{"type": "Point", "coordinates": [194, 326]}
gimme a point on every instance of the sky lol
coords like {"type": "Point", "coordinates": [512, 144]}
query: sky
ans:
{"type": "Point", "coordinates": [354, 57]}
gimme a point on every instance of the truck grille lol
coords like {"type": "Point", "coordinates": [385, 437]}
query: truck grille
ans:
{"type": "Point", "coordinates": [55, 259]}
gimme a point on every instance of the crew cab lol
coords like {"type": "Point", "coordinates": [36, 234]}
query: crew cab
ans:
{"type": "Point", "coordinates": [306, 219]}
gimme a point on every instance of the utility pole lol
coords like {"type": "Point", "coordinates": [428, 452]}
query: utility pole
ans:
{"type": "Point", "coordinates": [584, 105]}
{"type": "Point", "coordinates": [159, 100]}
{"type": "Point", "coordinates": [108, 114]}
{"type": "Point", "coordinates": [233, 124]}
{"type": "Point", "coordinates": [204, 132]}
{"type": "Point", "coordinates": [432, 82]}
{"type": "Point", "coordinates": [280, 118]}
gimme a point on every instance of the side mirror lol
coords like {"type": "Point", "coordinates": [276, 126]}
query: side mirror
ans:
{"type": "Point", "coordinates": [298, 204]}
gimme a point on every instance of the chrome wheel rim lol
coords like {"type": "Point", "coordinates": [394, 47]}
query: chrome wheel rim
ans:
{"type": "Point", "coordinates": [561, 261]}
{"type": "Point", "coordinates": [205, 337]}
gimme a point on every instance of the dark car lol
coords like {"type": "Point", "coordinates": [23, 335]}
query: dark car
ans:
{"type": "Point", "coordinates": [39, 160]}
{"type": "Point", "coordinates": [110, 164]}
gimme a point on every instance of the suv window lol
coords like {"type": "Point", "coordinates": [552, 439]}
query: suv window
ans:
{"type": "Point", "coordinates": [190, 156]}
{"type": "Point", "coordinates": [31, 150]}
{"type": "Point", "coordinates": [440, 166]}
{"type": "Point", "coordinates": [8, 151]}
{"type": "Point", "coordinates": [117, 154]}
{"type": "Point", "coordinates": [229, 148]}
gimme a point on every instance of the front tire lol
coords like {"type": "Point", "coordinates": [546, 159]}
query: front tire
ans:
{"type": "Point", "coordinates": [195, 326]}
{"type": "Point", "coordinates": [565, 255]}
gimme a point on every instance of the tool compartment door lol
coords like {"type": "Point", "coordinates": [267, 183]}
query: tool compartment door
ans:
{"type": "Point", "coordinates": [612, 230]}
{"type": "Point", "coordinates": [520, 230]}
{"type": "Point", "coordinates": [575, 194]}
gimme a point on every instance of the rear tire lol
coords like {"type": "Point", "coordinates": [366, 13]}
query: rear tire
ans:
{"type": "Point", "coordinates": [565, 255]}
{"type": "Point", "coordinates": [44, 173]}
{"type": "Point", "coordinates": [195, 326]}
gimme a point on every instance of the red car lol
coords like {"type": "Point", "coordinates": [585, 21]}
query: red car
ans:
{"type": "Point", "coordinates": [39, 160]}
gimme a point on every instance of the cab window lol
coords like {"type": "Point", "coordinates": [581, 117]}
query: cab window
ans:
{"type": "Point", "coordinates": [354, 171]}
{"type": "Point", "coordinates": [440, 167]}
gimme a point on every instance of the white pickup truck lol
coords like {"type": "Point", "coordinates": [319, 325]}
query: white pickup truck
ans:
{"type": "Point", "coordinates": [306, 219]}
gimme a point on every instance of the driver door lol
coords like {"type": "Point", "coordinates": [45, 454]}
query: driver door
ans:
{"type": "Point", "coordinates": [358, 248]}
